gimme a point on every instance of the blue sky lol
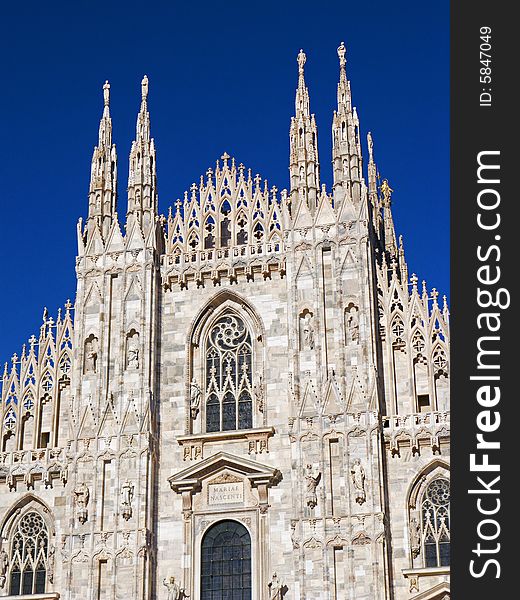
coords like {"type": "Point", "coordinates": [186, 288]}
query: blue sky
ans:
{"type": "Point", "coordinates": [222, 78]}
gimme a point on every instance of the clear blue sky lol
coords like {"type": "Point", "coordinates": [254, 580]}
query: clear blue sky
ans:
{"type": "Point", "coordinates": [222, 77]}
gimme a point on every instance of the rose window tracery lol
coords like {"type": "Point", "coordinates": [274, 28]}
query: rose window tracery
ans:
{"type": "Point", "coordinates": [228, 375]}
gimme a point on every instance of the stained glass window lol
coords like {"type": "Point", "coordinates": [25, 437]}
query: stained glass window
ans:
{"type": "Point", "coordinates": [226, 562]}
{"type": "Point", "coordinates": [29, 552]}
{"type": "Point", "coordinates": [435, 519]}
{"type": "Point", "coordinates": [229, 376]}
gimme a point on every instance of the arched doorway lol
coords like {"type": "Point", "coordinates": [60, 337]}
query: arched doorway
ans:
{"type": "Point", "coordinates": [226, 562]}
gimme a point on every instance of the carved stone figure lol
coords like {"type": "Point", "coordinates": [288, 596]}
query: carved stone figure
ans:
{"type": "Point", "coordinates": [4, 566]}
{"type": "Point", "coordinates": [144, 87]}
{"type": "Point", "coordinates": [370, 147]}
{"type": "Point", "coordinates": [81, 496]}
{"type": "Point", "coordinates": [312, 483]}
{"type": "Point", "coordinates": [341, 54]}
{"type": "Point", "coordinates": [308, 332]}
{"type": "Point", "coordinates": [106, 93]}
{"type": "Point", "coordinates": [415, 537]}
{"type": "Point", "coordinates": [50, 564]}
{"type": "Point", "coordinates": [127, 493]}
{"type": "Point", "coordinates": [173, 588]}
{"type": "Point", "coordinates": [258, 392]}
{"type": "Point", "coordinates": [132, 353]}
{"type": "Point", "coordinates": [358, 480]}
{"type": "Point", "coordinates": [386, 192]}
{"type": "Point", "coordinates": [195, 398]}
{"type": "Point", "coordinates": [294, 539]}
{"type": "Point", "coordinates": [91, 355]}
{"type": "Point", "coordinates": [277, 589]}
{"type": "Point", "coordinates": [301, 60]}
{"type": "Point", "coordinates": [353, 324]}
{"type": "Point", "coordinates": [175, 592]}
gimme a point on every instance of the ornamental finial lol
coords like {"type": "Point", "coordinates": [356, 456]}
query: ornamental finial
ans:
{"type": "Point", "coordinates": [341, 53]}
{"type": "Point", "coordinates": [225, 157]}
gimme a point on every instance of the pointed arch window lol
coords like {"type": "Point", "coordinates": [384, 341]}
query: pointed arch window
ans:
{"type": "Point", "coordinates": [29, 555]}
{"type": "Point", "coordinates": [229, 367]}
{"type": "Point", "coordinates": [435, 523]}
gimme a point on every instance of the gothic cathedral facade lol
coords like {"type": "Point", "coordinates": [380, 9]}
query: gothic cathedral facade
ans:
{"type": "Point", "coordinates": [248, 399]}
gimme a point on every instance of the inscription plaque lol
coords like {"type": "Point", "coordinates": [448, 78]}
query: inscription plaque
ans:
{"type": "Point", "coordinates": [226, 493]}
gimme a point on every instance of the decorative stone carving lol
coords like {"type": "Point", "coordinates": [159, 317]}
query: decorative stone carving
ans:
{"type": "Point", "coordinates": [294, 539]}
{"type": "Point", "coordinates": [313, 480]}
{"type": "Point", "coordinates": [195, 398]}
{"type": "Point", "coordinates": [175, 592]}
{"type": "Point", "coordinates": [415, 537]}
{"type": "Point", "coordinates": [127, 494]}
{"type": "Point", "coordinates": [91, 354]}
{"type": "Point", "coordinates": [50, 563]}
{"type": "Point", "coordinates": [306, 330]}
{"type": "Point", "coordinates": [4, 567]}
{"type": "Point", "coordinates": [370, 143]}
{"type": "Point", "coordinates": [258, 392]}
{"type": "Point", "coordinates": [357, 474]}
{"type": "Point", "coordinates": [386, 192]}
{"type": "Point", "coordinates": [132, 350]}
{"type": "Point", "coordinates": [257, 441]}
{"type": "Point", "coordinates": [277, 589]}
{"type": "Point", "coordinates": [81, 497]}
{"type": "Point", "coordinates": [352, 323]}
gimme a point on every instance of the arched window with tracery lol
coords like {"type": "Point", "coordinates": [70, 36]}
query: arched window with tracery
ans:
{"type": "Point", "coordinates": [435, 523]}
{"type": "Point", "coordinates": [29, 555]}
{"type": "Point", "coordinates": [228, 377]}
{"type": "Point", "coordinates": [226, 562]}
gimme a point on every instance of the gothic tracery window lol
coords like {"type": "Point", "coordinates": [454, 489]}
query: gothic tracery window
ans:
{"type": "Point", "coordinates": [226, 562]}
{"type": "Point", "coordinates": [435, 523]}
{"type": "Point", "coordinates": [228, 375]}
{"type": "Point", "coordinates": [29, 555]}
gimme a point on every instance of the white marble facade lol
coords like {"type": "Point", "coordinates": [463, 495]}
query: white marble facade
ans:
{"type": "Point", "coordinates": [257, 365]}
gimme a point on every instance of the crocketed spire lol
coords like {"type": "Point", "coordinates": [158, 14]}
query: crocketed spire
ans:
{"type": "Point", "coordinates": [142, 179]}
{"type": "Point", "coordinates": [304, 163]}
{"type": "Point", "coordinates": [102, 203]}
{"type": "Point", "coordinates": [346, 149]}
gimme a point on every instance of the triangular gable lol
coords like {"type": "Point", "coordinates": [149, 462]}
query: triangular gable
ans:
{"type": "Point", "coordinates": [303, 217]}
{"type": "Point", "coordinates": [109, 425]}
{"type": "Point", "coordinates": [347, 210]}
{"type": "Point", "coordinates": [310, 401]}
{"type": "Point", "coordinates": [334, 403]}
{"type": "Point", "coordinates": [95, 244]}
{"type": "Point", "coordinates": [356, 397]}
{"type": "Point", "coordinates": [439, 592]}
{"type": "Point", "coordinates": [134, 236]}
{"type": "Point", "coordinates": [88, 425]}
{"type": "Point", "coordinates": [192, 476]}
{"type": "Point", "coordinates": [325, 214]}
{"type": "Point", "coordinates": [115, 240]}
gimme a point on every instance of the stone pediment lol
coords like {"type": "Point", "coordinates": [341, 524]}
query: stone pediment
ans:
{"type": "Point", "coordinates": [255, 472]}
{"type": "Point", "coordinates": [439, 592]}
{"type": "Point", "coordinates": [221, 469]}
